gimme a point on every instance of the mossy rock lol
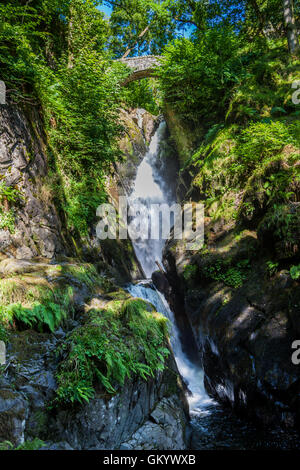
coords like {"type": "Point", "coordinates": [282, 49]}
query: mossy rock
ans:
{"type": "Point", "coordinates": [279, 231]}
{"type": "Point", "coordinates": [25, 345]}
{"type": "Point", "coordinates": [124, 339]}
{"type": "Point", "coordinates": [41, 296]}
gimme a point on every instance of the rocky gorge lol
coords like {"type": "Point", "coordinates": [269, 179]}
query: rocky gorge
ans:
{"type": "Point", "coordinates": [241, 315]}
{"type": "Point", "coordinates": [39, 264]}
{"type": "Point", "coordinates": [115, 333]}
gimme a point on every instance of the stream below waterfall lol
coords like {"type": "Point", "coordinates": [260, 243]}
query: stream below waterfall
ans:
{"type": "Point", "coordinates": [213, 427]}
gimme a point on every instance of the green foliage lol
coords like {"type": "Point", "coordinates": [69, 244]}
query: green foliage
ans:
{"type": "Point", "coordinates": [39, 316]}
{"type": "Point", "coordinates": [295, 272]}
{"type": "Point", "coordinates": [196, 77]}
{"type": "Point", "coordinates": [130, 18]}
{"type": "Point", "coordinates": [54, 54]}
{"type": "Point", "coordinates": [231, 275]}
{"type": "Point", "coordinates": [143, 94]}
{"type": "Point", "coordinates": [242, 170]}
{"type": "Point", "coordinates": [3, 333]}
{"type": "Point", "coordinates": [145, 26]}
{"type": "Point", "coordinates": [7, 220]}
{"type": "Point", "coordinates": [127, 337]}
{"type": "Point", "coordinates": [220, 76]}
{"type": "Point", "coordinates": [190, 271]}
{"type": "Point", "coordinates": [80, 200]}
{"type": "Point", "coordinates": [84, 273]}
{"type": "Point", "coordinates": [46, 313]}
{"type": "Point", "coordinates": [261, 141]}
{"type": "Point", "coordinates": [35, 444]}
{"type": "Point", "coordinates": [279, 230]}
{"type": "Point", "coordinates": [83, 104]}
{"type": "Point", "coordinates": [272, 267]}
{"type": "Point", "coordinates": [8, 193]}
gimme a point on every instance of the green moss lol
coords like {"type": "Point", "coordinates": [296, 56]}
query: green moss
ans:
{"type": "Point", "coordinates": [230, 270]}
{"type": "Point", "coordinates": [295, 272]}
{"type": "Point", "coordinates": [7, 220]}
{"type": "Point", "coordinates": [33, 305]}
{"type": "Point", "coordinates": [190, 271]}
{"type": "Point", "coordinates": [126, 338]}
{"type": "Point", "coordinates": [35, 444]}
{"type": "Point", "coordinates": [280, 230]}
{"type": "Point", "coordinates": [120, 294]}
{"type": "Point", "coordinates": [84, 273]}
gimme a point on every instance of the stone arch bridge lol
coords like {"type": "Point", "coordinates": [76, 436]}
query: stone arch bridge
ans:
{"type": "Point", "coordinates": [142, 67]}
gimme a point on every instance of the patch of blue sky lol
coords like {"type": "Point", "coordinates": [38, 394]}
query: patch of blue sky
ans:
{"type": "Point", "coordinates": [106, 10]}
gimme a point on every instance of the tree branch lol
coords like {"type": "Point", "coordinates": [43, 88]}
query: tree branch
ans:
{"type": "Point", "coordinates": [136, 42]}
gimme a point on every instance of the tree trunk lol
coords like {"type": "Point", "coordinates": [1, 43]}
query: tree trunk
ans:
{"type": "Point", "coordinates": [289, 20]}
{"type": "Point", "coordinates": [260, 17]}
{"type": "Point", "coordinates": [70, 38]}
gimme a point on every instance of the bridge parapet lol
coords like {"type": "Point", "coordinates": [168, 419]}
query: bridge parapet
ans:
{"type": "Point", "coordinates": [142, 67]}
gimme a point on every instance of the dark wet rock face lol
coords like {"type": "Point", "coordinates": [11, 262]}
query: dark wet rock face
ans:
{"type": "Point", "coordinates": [31, 372]}
{"type": "Point", "coordinates": [13, 413]}
{"type": "Point", "coordinates": [166, 425]}
{"type": "Point", "coordinates": [244, 334]}
{"type": "Point", "coordinates": [23, 165]}
{"type": "Point", "coordinates": [143, 414]}
{"type": "Point", "coordinates": [146, 414]}
{"type": "Point", "coordinates": [247, 351]}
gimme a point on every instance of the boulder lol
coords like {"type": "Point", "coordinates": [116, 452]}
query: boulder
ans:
{"type": "Point", "coordinates": [13, 414]}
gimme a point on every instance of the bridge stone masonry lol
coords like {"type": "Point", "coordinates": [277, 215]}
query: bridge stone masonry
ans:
{"type": "Point", "coordinates": [142, 67]}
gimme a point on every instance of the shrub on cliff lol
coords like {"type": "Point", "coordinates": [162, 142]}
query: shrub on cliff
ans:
{"type": "Point", "coordinates": [53, 55]}
{"type": "Point", "coordinates": [127, 338]}
{"type": "Point", "coordinates": [220, 76]}
{"type": "Point", "coordinates": [42, 308]}
{"type": "Point", "coordinates": [280, 231]}
{"type": "Point", "coordinates": [244, 171]}
{"type": "Point", "coordinates": [195, 77]}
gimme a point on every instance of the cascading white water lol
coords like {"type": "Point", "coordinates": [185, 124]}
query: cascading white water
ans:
{"type": "Point", "coordinates": [192, 375]}
{"type": "Point", "coordinates": [153, 186]}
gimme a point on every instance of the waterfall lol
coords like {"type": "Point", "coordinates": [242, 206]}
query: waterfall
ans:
{"type": "Point", "coordinates": [155, 184]}
{"type": "Point", "coordinates": [152, 186]}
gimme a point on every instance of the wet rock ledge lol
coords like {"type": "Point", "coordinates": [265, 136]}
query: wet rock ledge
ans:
{"type": "Point", "coordinates": [148, 413]}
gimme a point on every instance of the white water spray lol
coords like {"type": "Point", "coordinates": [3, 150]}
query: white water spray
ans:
{"type": "Point", "coordinates": [152, 186]}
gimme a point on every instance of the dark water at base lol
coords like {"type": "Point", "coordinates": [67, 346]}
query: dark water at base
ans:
{"type": "Point", "coordinates": [223, 430]}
